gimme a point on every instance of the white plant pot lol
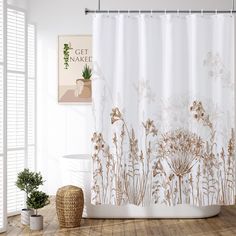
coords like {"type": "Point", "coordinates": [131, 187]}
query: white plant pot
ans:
{"type": "Point", "coordinates": [25, 216]}
{"type": "Point", "coordinates": [36, 222]}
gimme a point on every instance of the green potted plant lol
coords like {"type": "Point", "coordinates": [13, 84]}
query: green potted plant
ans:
{"type": "Point", "coordinates": [37, 200]}
{"type": "Point", "coordinates": [28, 181]}
{"type": "Point", "coordinates": [85, 82]}
{"type": "Point", "coordinates": [87, 73]}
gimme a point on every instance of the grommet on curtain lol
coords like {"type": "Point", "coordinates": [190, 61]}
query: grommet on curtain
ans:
{"type": "Point", "coordinates": [177, 12]}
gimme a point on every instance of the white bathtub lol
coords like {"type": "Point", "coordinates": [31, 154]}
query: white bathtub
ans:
{"type": "Point", "coordinates": [75, 170]}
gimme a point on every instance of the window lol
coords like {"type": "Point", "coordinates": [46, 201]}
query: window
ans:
{"type": "Point", "coordinates": [31, 97]}
{"type": "Point", "coordinates": [17, 106]}
{"type": "Point", "coordinates": [2, 121]}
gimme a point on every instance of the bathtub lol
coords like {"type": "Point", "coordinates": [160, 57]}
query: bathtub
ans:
{"type": "Point", "coordinates": [76, 170]}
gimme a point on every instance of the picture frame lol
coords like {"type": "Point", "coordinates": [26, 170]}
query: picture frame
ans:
{"type": "Point", "coordinates": [75, 69]}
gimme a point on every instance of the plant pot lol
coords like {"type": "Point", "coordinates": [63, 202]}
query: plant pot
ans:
{"type": "Point", "coordinates": [83, 88]}
{"type": "Point", "coordinates": [36, 222]}
{"type": "Point", "coordinates": [25, 216]}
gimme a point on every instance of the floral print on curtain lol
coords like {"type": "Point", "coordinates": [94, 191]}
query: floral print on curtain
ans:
{"type": "Point", "coordinates": [179, 150]}
{"type": "Point", "coordinates": [163, 110]}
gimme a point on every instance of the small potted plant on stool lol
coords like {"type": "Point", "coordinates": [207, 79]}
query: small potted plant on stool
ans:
{"type": "Point", "coordinates": [37, 200]}
{"type": "Point", "coordinates": [28, 181]}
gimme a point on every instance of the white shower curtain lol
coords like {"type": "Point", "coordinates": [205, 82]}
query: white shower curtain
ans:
{"type": "Point", "coordinates": [163, 105]}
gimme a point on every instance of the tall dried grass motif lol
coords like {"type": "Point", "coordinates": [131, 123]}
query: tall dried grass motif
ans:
{"type": "Point", "coordinates": [168, 168]}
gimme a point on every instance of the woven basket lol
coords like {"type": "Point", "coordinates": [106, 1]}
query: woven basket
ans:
{"type": "Point", "coordinates": [69, 206]}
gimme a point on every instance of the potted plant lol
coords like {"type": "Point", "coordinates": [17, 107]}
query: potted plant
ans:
{"type": "Point", "coordinates": [37, 200]}
{"type": "Point", "coordinates": [84, 84]}
{"type": "Point", "coordinates": [87, 73]}
{"type": "Point", "coordinates": [28, 181]}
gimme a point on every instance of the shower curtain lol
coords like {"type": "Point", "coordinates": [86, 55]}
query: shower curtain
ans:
{"type": "Point", "coordinates": [163, 106]}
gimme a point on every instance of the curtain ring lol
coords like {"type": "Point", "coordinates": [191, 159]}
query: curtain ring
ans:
{"type": "Point", "coordinates": [202, 12]}
{"type": "Point", "coordinates": [178, 12]}
{"type": "Point", "coordinates": [165, 11]}
{"type": "Point", "coordinates": [216, 11]}
{"type": "Point", "coordinates": [231, 11]}
{"type": "Point", "coordinates": [151, 13]}
{"type": "Point", "coordinates": [190, 11]}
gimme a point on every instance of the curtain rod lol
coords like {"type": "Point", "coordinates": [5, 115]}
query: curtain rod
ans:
{"type": "Point", "coordinates": [88, 11]}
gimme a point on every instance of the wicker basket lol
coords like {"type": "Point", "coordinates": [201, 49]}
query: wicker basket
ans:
{"type": "Point", "coordinates": [69, 206]}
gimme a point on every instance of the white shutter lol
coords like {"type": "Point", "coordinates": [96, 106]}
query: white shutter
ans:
{"type": "Point", "coordinates": [2, 156]}
{"type": "Point", "coordinates": [15, 40]}
{"type": "Point", "coordinates": [2, 5]}
{"type": "Point", "coordinates": [3, 220]}
{"type": "Point", "coordinates": [16, 106]}
{"type": "Point", "coordinates": [1, 110]}
{"type": "Point", "coordinates": [31, 51]}
{"type": "Point", "coordinates": [31, 97]}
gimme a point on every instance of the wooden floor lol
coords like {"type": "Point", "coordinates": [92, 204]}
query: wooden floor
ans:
{"type": "Point", "coordinates": [223, 224]}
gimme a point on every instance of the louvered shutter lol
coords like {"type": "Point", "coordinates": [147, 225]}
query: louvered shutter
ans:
{"type": "Point", "coordinates": [31, 97]}
{"type": "Point", "coordinates": [16, 106]}
{"type": "Point", "coordinates": [3, 220]}
{"type": "Point", "coordinates": [2, 190]}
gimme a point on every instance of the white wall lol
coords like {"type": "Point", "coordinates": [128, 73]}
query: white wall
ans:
{"type": "Point", "coordinates": [62, 129]}
{"type": "Point", "coordinates": [66, 129]}
{"type": "Point", "coordinates": [23, 4]}
{"type": "Point", "coordinates": [167, 4]}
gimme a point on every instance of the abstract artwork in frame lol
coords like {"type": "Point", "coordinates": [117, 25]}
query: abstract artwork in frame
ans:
{"type": "Point", "coordinates": [74, 69]}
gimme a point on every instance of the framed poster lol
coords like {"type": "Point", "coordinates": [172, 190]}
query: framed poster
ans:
{"type": "Point", "coordinates": [74, 68]}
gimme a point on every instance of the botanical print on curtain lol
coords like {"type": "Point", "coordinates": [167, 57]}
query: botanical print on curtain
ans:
{"type": "Point", "coordinates": [163, 105]}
